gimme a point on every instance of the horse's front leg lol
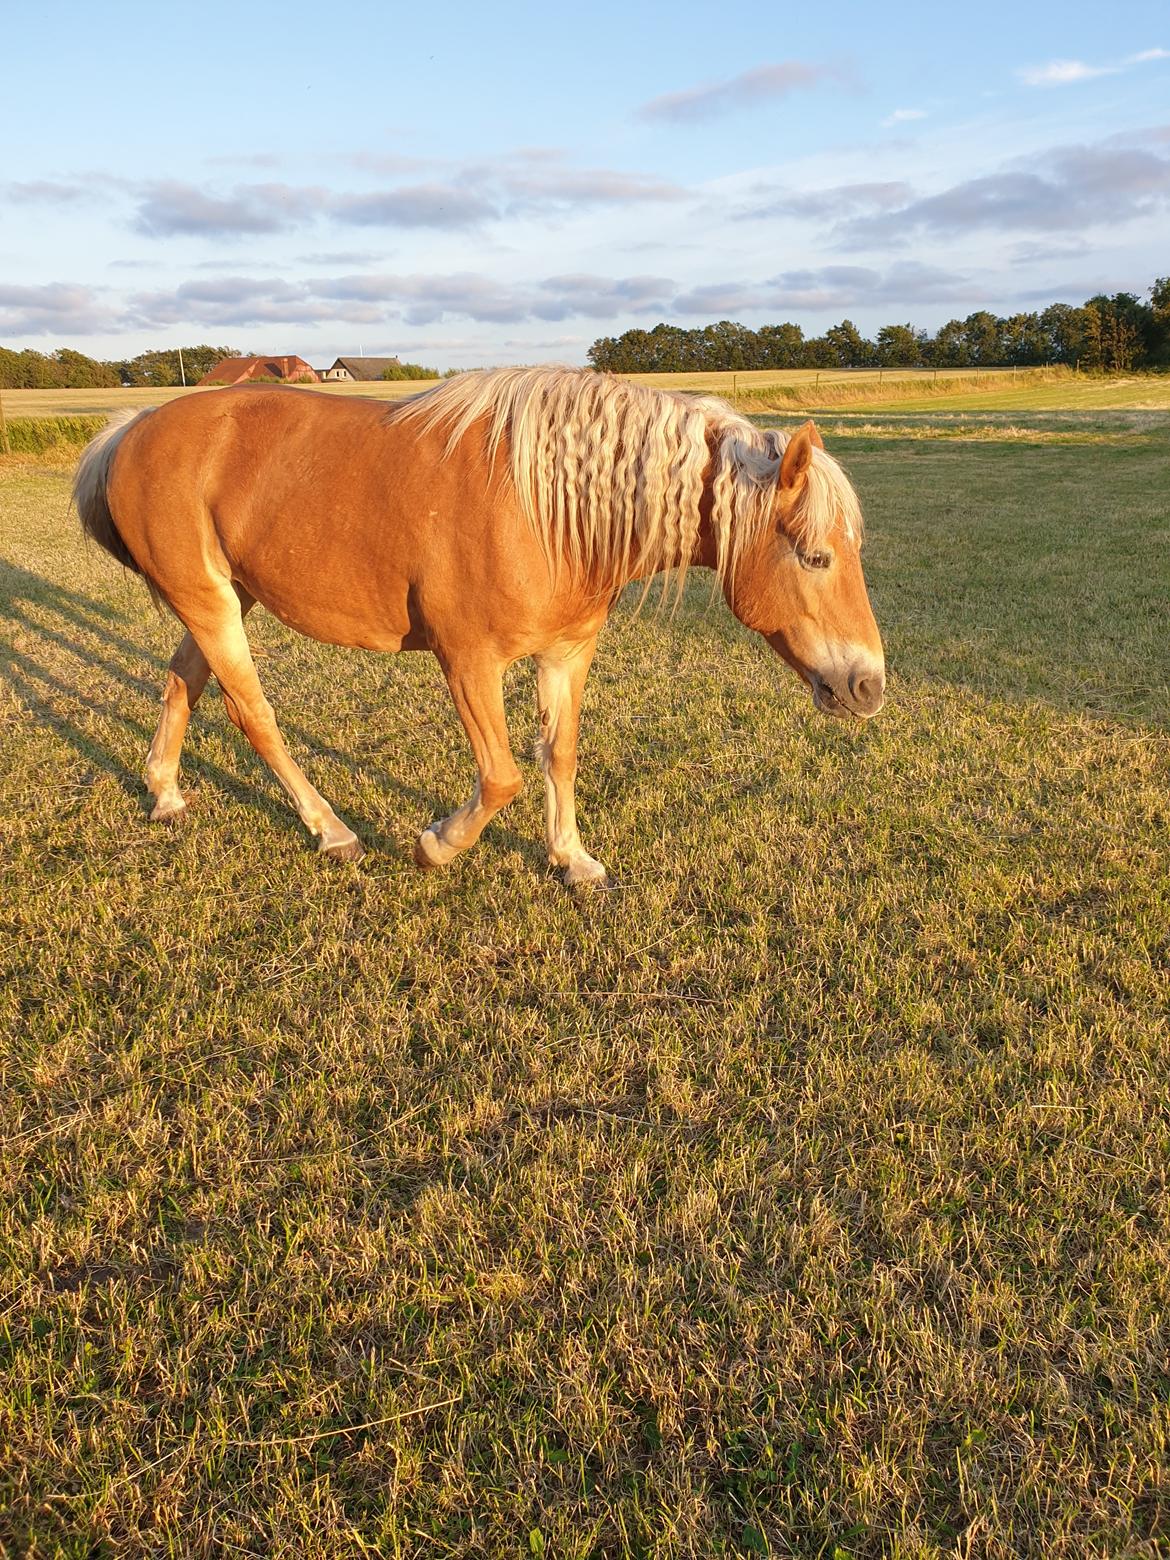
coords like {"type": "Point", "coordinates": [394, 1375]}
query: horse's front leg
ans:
{"type": "Point", "coordinates": [477, 688]}
{"type": "Point", "coordinates": [560, 679]}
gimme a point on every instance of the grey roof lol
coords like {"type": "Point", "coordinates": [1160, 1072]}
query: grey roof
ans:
{"type": "Point", "coordinates": [366, 367]}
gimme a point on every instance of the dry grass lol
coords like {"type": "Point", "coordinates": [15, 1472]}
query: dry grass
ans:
{"type": "Point", "coordinates": [61, 403]}
{"type": "Point", "coordinates": [927, 390]}
{"type": "Point", "coordinates": [759, 381]}
{"type": "Point", "coordinates": [968, 432]}
{"type": "Point", "coordinates": [761, 390]}
{"type": "Point", "coordinates": [806, 1196]}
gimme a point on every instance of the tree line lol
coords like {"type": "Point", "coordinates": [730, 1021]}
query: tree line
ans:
{"type": "Point", "coordinates": [1105, 334]}
{"type": "Point", "coordinates": [66, 369]}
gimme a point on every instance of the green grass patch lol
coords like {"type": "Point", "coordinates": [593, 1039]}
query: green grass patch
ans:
{"type": "Point", "coordinates": [806, 1195]}
{"type": "Point", "coordinates": [37, 435]}
{"type": "Point", "coordinates": [1045, 392]}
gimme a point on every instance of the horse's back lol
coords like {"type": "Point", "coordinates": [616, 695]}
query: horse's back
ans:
{"type": "Point", "coordinates": [350, 524]}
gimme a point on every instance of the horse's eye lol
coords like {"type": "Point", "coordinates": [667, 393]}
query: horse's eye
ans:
{"type": "Point", "coordinates": [817, 560]}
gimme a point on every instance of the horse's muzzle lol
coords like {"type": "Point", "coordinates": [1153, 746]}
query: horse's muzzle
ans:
{"type": "Point", "coordinates": [861, 693]}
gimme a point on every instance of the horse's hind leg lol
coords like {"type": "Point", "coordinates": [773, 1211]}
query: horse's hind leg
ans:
{"type": "Point", "coordinates": [216, 623]}
{"type": "Point", "coordinates": [186, 679]}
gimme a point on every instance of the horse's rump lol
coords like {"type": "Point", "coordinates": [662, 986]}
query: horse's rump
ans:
{"type": "Point", "coordinates": [90, 495]}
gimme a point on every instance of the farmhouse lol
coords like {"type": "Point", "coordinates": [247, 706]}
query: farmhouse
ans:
{"type": "Point", "coordinates": [359, 368]}
{"type": "Point", "coordinates": [238, 371]}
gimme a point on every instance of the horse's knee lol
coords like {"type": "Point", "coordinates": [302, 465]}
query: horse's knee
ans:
{"type": "Point", "coordinates": [497, 791]}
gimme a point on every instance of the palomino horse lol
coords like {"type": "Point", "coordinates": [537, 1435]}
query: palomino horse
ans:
{"type": "Point", "coordinates": [496, 517]}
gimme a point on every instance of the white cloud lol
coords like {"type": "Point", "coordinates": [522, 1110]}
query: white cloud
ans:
{"type": "Point", "coordinates": [902, 116]}
{"type": "Point", "coordinates": [1059, 73]}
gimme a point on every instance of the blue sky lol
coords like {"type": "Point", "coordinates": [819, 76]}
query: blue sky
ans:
{"type": "Point", "coordinates": [464, 184]}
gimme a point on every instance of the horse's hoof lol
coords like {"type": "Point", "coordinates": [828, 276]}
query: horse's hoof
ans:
{"type": "Point", "coordinates": [172, 818]}
{"type": "Point", "coordinates": [587, 874]}
{"type": "Point", "coordinates": [345, 850]}
{"type": "Point", "coordinates": [430, 852]}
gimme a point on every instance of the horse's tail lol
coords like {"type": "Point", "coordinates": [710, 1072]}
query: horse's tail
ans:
{"type": "Point", "coordinates": [89, 491]}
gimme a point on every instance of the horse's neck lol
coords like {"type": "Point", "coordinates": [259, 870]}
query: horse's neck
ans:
{"type": "Point", "coordinates": [703, 553]}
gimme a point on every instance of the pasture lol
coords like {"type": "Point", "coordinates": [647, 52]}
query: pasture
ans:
{"type": "Point", "coordinates": [805, 1195]}
{"type": "Point", "coordinates": [757, 391]}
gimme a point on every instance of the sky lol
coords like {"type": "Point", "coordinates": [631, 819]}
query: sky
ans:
{"type": "Point", "coordinates": [464, 184]}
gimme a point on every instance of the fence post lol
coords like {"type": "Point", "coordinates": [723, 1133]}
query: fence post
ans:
{"type": "Point", "coordinates": [3, 431]}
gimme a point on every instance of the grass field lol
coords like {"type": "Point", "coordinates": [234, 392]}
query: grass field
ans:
{"type": "Point", "coordinates": [805, 1196]}
{"type": "Point", "coordinates": [927, 390]}
{"type": "Point", "coordinates": [762, 390]}
{"type": "Point", "coordinates": [62, 403]}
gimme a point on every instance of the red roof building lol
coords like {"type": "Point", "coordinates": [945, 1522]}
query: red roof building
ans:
{"type": "Point", "coordinates": [238, 371]}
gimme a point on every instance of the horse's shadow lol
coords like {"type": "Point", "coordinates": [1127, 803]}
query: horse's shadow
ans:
{"type": "Point", "coordinates": [35, 608]}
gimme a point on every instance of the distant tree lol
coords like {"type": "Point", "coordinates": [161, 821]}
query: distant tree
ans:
{"type": "Point", "coordinates": [1123, 332]}
{"type": "Point", "coordinates": [820, 352]}
{"type": "Point", "coordinates": [1093, 344]}
{"type": "Point", "coordinates": [848, 348]}
{"type": "Point", "coordinates": [671, 345]}
{"type": "Point", "coordinates": [79, 372]}
{"type": "Point", "coordinates": [161, 368]}
{"type": "Point", "coordinates": [780, 346]}
{"type": "Point", "coordinates": [1022, 340]}
{"type": "Point", "coordinates": [1160, 320]}
{"type": "Point", "coordinates": [603, 353]}
{"type": "Point", "coordinates": [733, 344]}
{"type": "Point", "coordinates": [409, 371]}
{"type": "Point", "coordinates": [65, 369]}
{"type": "Point", "coordinates": [949, 348]}
{"type": "Point", "coordinates": [899, 346]}
{"type": "Point", "coordinates": [984, 339]}
{"type": "Point", "coordinates": [1135, 331]}
{"type": "Point", "coordinates": [1062, 329]}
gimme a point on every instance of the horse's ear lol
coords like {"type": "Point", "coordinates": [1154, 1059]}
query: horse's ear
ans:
{"type": "Point", "coordinates": [814, 434]}
{"type": "Point", "coordinates": [798, 454]}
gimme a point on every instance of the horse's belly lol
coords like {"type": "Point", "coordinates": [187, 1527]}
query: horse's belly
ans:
{"type": "Point", "coordinates": [338, 607]}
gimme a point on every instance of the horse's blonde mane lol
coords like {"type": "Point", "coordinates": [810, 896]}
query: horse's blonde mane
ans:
{"type": "Point", "coordinates": [611, 473]}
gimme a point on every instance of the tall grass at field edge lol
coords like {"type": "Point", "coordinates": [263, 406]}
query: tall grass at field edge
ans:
{"type": "Point", "coordinates": [889, 386]}
{"type": "Point", "coordinates": [36, 435]}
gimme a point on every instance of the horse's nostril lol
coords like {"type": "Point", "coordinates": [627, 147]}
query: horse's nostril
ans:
{"type": "Point", "coordinates": [867, 692]}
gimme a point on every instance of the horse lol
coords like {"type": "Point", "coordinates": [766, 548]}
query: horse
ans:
{"type": "Point", "coordinates": [496, 517]}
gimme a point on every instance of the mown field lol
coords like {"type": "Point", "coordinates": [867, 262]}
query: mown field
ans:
{"type": "Point", "coordinates": [806, 1195]}
{"type": "Point", "coordinates": [759, 390]}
